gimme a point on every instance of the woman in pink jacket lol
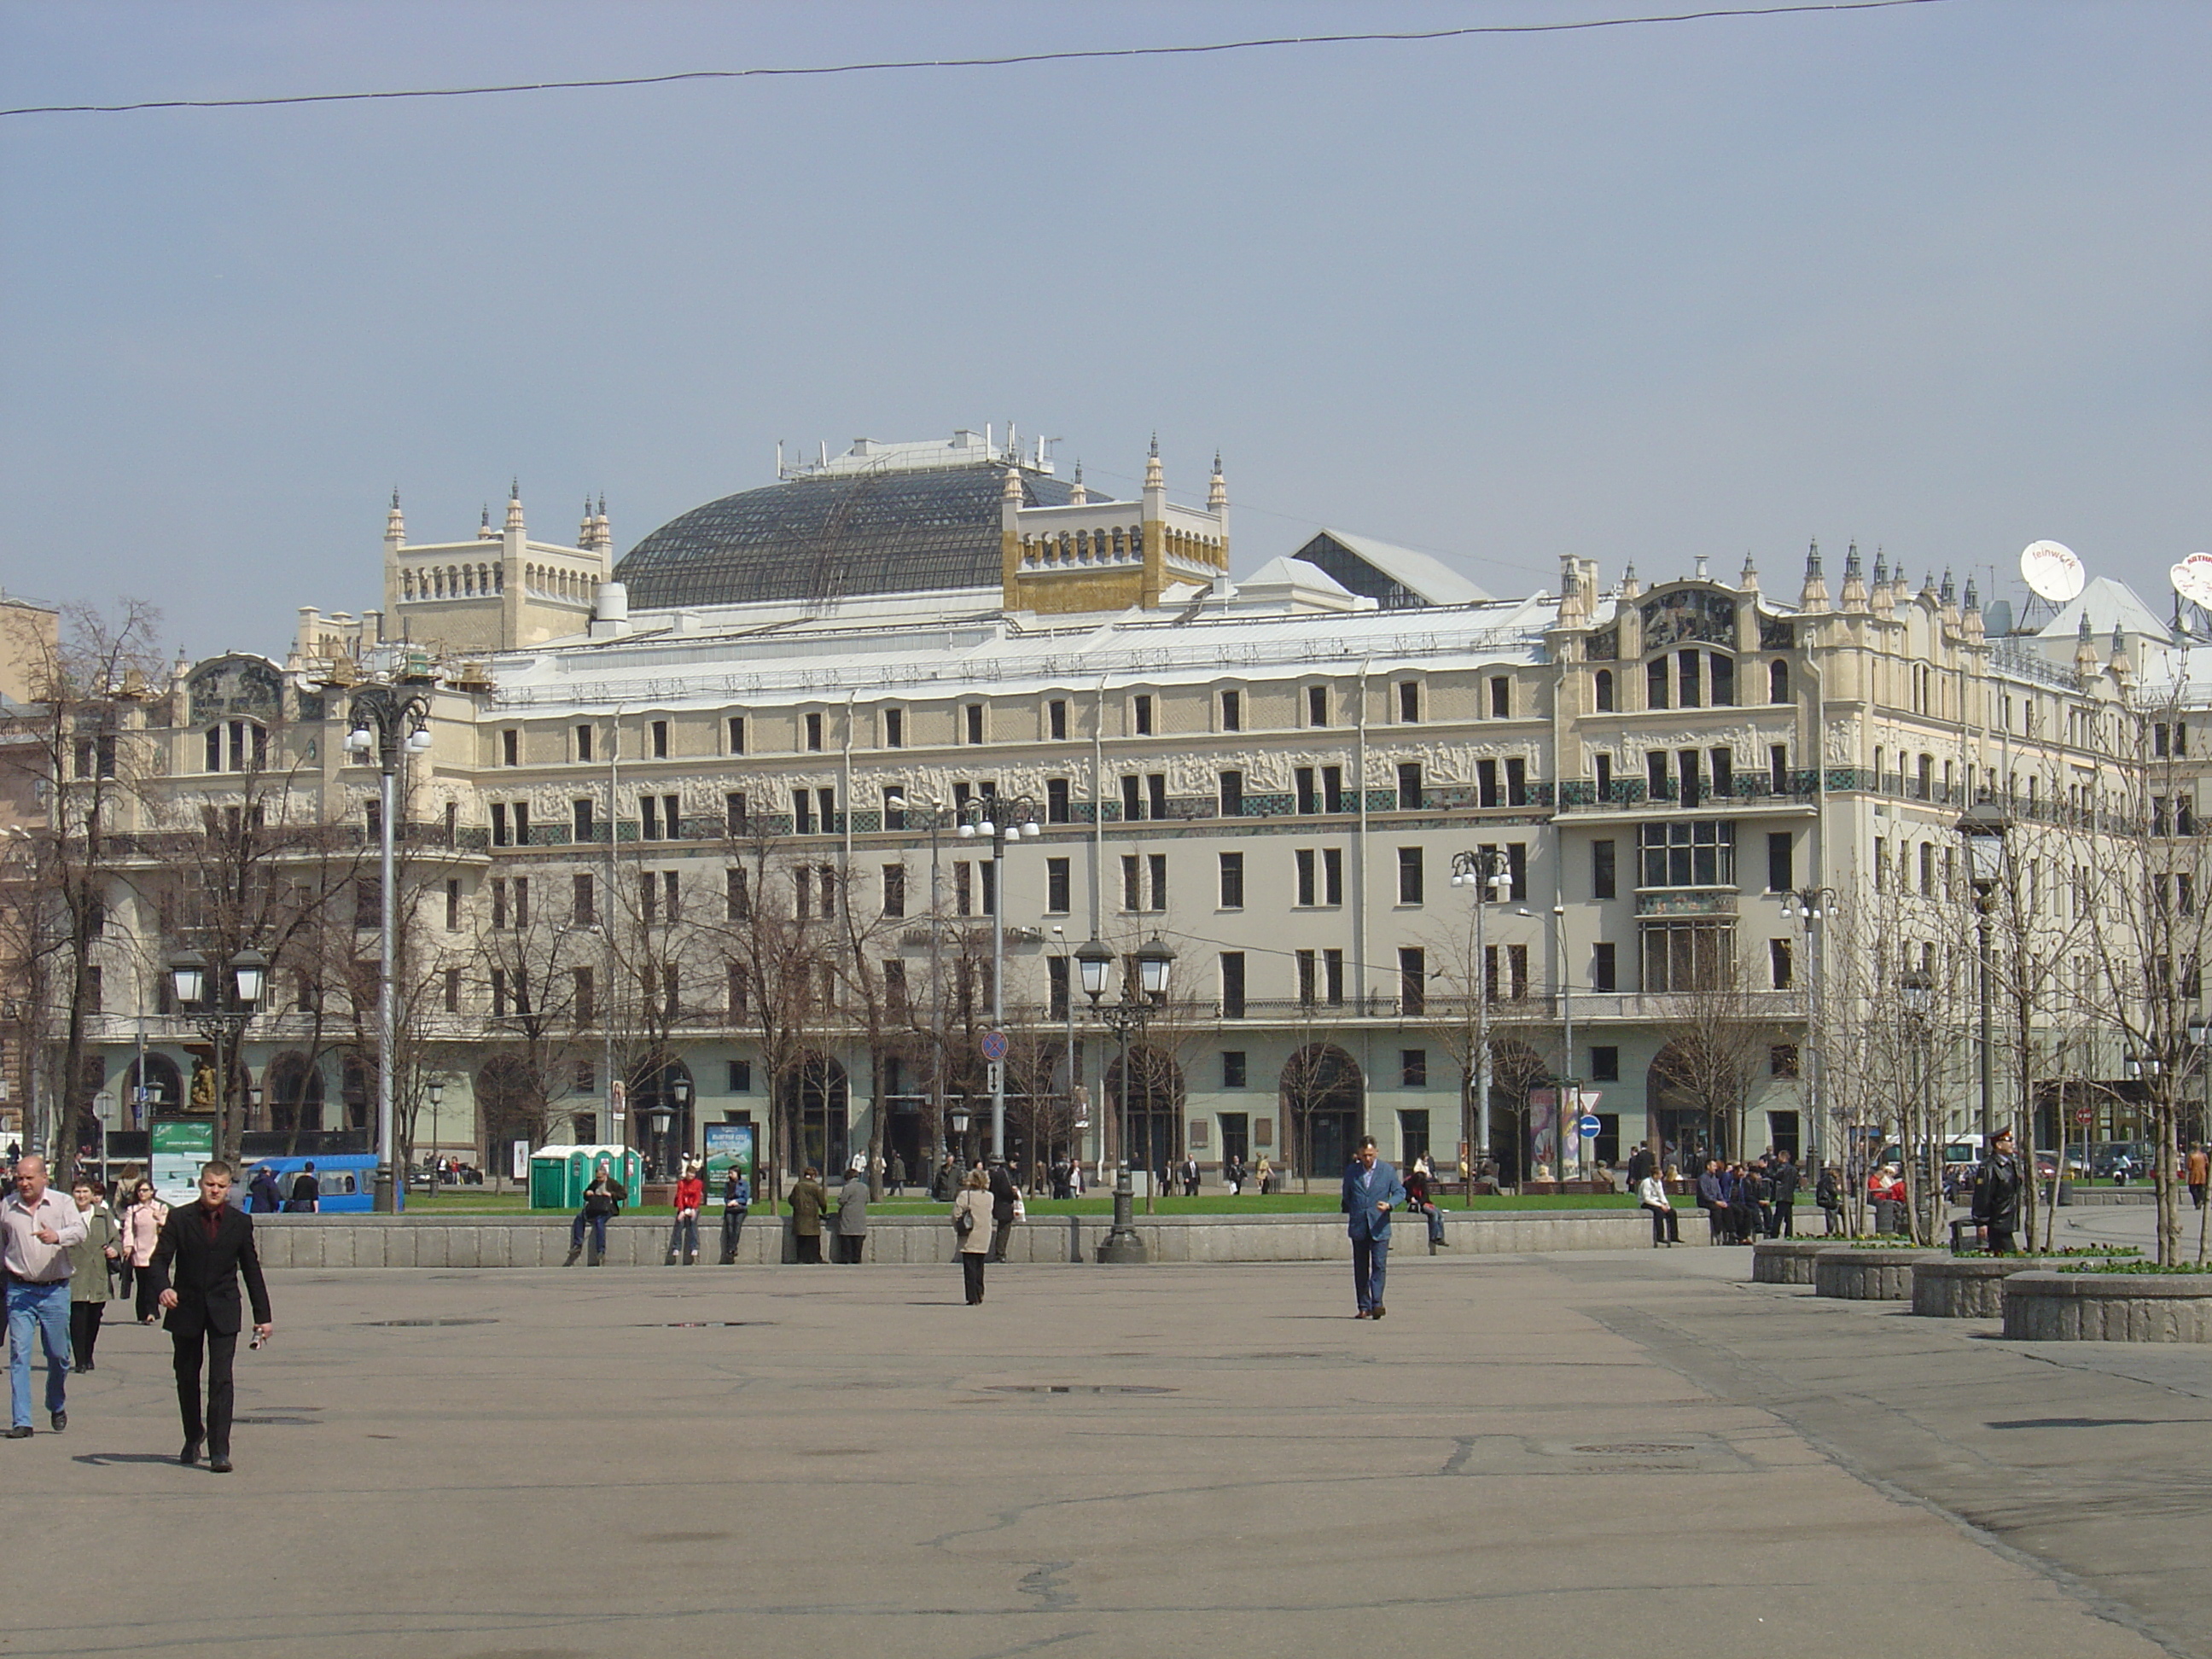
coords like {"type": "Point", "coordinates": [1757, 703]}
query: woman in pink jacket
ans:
{"type": "Point", "coordinates": [142, 1230]}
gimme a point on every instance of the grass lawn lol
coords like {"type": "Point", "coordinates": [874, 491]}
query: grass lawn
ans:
{"type": "Point", "coordinates": [474, 1200]}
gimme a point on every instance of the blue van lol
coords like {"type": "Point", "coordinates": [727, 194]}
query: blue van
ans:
{"type": "Point", "coordinates": [347, 1180]}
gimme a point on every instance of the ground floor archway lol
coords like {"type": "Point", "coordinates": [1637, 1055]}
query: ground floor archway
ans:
{"type": "Point", "coordinates": [1322, 1092]}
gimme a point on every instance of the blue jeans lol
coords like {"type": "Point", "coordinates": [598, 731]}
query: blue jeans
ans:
{"type": "Point", "coordinates": [1370, 1256]}
{"type": "Point", "coordinates": [684, 1236]}
{"type": "Point", "coordinates": [43, 1310]}
{"type": "Point", "coordinates": [598, 1226]}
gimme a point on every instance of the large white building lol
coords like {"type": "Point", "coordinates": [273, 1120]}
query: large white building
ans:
{"type": "Point", "coordinates": [656, 784]}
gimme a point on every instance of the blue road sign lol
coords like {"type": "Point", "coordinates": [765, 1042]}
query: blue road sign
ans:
{"type": "Point", "coordinates": [995, 1045]}
{"type": "Point", "coordinates": [1588, 1125]}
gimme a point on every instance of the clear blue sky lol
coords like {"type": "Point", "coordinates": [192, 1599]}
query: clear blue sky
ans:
{"type": "Point", "coordinates": [1933, 277]}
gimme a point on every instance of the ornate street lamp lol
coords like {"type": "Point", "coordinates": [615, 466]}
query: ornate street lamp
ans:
{"type": "Point", "coordinates": [1985, 829]}
{"type": "Point", "coordinates": [1141, 999]}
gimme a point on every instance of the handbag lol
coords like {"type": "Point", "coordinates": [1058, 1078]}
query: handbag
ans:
{"type": "Point", "coordinates": [963, 1222]}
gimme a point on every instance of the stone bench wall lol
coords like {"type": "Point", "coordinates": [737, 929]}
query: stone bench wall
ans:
{"type": "Point", "coordinates": [1869, 1275]}
{"type": "Point", "coordinates": [2055, 1307]}
{"type": "Point", "coordinates": [493, 1241]}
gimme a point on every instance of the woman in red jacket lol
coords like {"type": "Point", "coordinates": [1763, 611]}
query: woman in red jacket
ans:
{"type": "Point", "coordinates": [690, 1193]}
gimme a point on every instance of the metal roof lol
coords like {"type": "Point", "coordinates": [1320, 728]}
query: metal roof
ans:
{"type": "Point", "coordinates": [823, 538]}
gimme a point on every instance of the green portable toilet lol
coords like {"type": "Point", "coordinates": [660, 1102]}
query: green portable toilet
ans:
{"type": "Point", "coordinates": [558, 1175]}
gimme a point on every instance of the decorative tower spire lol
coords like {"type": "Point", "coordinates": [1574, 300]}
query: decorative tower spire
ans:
{"type": "Point", "coordinates": [1948, 592]}
{"type": "Point", "coordinates": [1881, 567]}
{"type": "Point", "coordinates": [1630, 588]}
{"type": "Point", "coordinates": [484, 532]}
{"type": "Point", "coordinates": [603, 534]}
{"type": "Point", "coordinates": [1154, 479]}
{"type": "Point", "coordinates": [395, 526]}
{"type": "Point", "coordinates": [1217, 489]}
{"type": "Point", "coordinates": [1012, 492]}
{"type": "Point", "coordinates": [1077, 495]}
{"type": "Point", "coordinates": [1747, 579]}
{"type": "Point", "coordinates": [1973, 597]}
{"type": "Point", "coordinates": [1851, 562]}
{"type": "Point", "coordinates": [584, 535]}
{"type": "Point", "coordinates": [1855, 590]}
{"type": "Point", "coordinates": [1814, 596]}
{"type": "Point", "coordinates": [515, 506]}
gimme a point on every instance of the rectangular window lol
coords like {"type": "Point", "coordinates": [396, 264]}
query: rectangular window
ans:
{"type": "Point", "coordinates": [660, 739]}
{"type": "Point", "coordinates": [1501, 697]}
{"type": "Point", "coordinates": [824, 800]}
{"type": "Point", "coordinates": [1516, 962]}
{"type": "Point", "coordinates": [1056, 809]}
{"type": "Point", "coordinates": [1056, 886]}
{"type": "Point", "coordinates": [894, 728]}
{"type": "Point", "coordinates": [453, 990]}
{"type": "Point", "coordinates": [1655, 682]}
{"type": "Point", "coordinates": [499, 903]}
{"type": "Point", "coordinates": [1724, 766]}
{"type": "Point", "coordinates": [1604, 763]}
{"type": "Point", "coordinates": [1132, 892]}
{"type": "Point", "coordinates": [671, 815]}
{"type": "Point", "coordinates": [583, 743]}
{"type": "Point", "coordinates": [1141, 712]}
{"type": "Point", "coordinates": [1410, 881]}
{"type": "Point", "coordinates": [1777, 769]}
{"type": "Point", "coordinates": [1332, 875]}
{"type": "Point", "coordinates": [453, 907]}
{"type": "Point", "coordinates": [1305, 863]}
{"type": "Point", "coordinates": [1516, 781]}
{"type": "Point", "coordinates": [499, 993]}
{"type": "Point", "coordinates": [583, 902]}
{"type": "Point", "coordinates": [1604, 1065]}
{"type": "Point", "coordinates": [1782, 1060]}
{"type": "Point", "coordinates": [1781, 864]}
{"type": "Point", "coordinates": [1517, 869]}
{"type": "Point", "coordinates": [814, 734]}
{"type": "Point", "coordinates": [802, 881]}
{"type": "Point", "coordinates": [1781, 963]}
{"type": "Point", "coordinates": [738, 988]}
{"type": "Point", "coordinates": [894, 890]}
{"type": "Point", "coordinates": [1693, 789]}
{"type": "Point", "coordinates": [580, 981]}
{"type": "Point", "coordinates": [214, 755]}
{"type": "Point", "coordinates": [1485, 777]}
{"type": "Point", "coordinates": [1603, 881]}
{"type": "Point", "coordinates": [522, 901]}
{"type": "Point", "coordinates": [1413, 981]}
{"type": "Point", "coordinates": [973, 714]}
{"type": "Point", "coordinates": [1133, 798]}
{"type": "Point", "coordinates": [1332, 973]}
{"type": "Point", "coordinates": [1302, 780]}
{"type": "Point", "coordinates": [741, 1076]}
{"type": "Point", "coordinates": [1414, 1073]}
{"type": "Point", "coordinates": [1157, 868]}
{"type": "Point", "coordinates": [989, 873]}
{"type": "Point", "coordinates": [1056, 987]}
{"type": "Point", "coordinates": [963, 888]}
{"type": "Point", "coordinates": [1723, 681]}
{"type": "Point", "coordinates": [894, 806]}
{"type": "Point", "coordinates": [1232, 711]}
{"type": "Point", "coordinates": [1232, 881]}
{"type": "Point", "coordinates": [1156, 794]}
{"type": "Point", "coordinates": [510, 747]}
{"type": "Point", "coordinates": [1688, 955]}
{"type": "Point", "coordinates": [1693, 852]}
{"type": "Point", "coordinates": [1232, 985]}
{"type": "Point", "coordinates": [582, 822]}
{"type": "Point", "coordinates": [499, 829]}
{"type": "Point", "coordinates": [802, 812]}
{"type": "Point", "coordinates": [1409, 702]}
{"type": "Point", "coordinates": [1232, 794]}
{"type": "Point", "coordinates": [649, 813]}
{"type": "Point", "coordinates": [1308, 969]}
{"type": "Point", "coordinates": [1409, 786]}
{"type": "Point", "coordinates": [1605, 967]}
{"type": "Point", "coordinates": [1057, 719]}
{"type": "Point", "coordinates": [737, 726]}
{"type": "Point", "coordinates": [1233, 1069]}
{"type": "Point", "coordinates": [1658, 779]}
{"type": "Point", "coordinates": [1927, 869]}
{"type": "Point", "coordinates": [1688, 679]}
{"type": "Point", "coordinates": [1316, 705]}
{"type": "Point", "coordinates": [1332, 797]}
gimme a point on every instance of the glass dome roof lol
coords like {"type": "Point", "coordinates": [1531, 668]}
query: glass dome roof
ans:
{"type": "Point", "coordinates": [826, 538]}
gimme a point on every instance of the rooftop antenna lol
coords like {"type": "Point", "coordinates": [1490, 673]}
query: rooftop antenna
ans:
{"type": "Point", "coordinates": [779, 458]}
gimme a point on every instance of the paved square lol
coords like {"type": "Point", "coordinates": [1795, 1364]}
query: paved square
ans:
{"type": "Point", "coordinates": [1109, 1463]}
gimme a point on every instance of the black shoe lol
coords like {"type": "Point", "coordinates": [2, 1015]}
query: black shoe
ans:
{"type": "Point", "coordinates": [1378, 1312]}
{"type": "Point", "coordinates": [60, 1421]}
{"type": "Point", "coordinates": [191, 1455]}
{"type": "Point", "coordinates": [21, 1431]}
{"type": "Point", "coordinates": [219, 1464]}
{"type": "Point", "coordinates": [82, 1369]}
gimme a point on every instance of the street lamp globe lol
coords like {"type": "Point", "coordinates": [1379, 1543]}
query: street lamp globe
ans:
{"type": "Point", "coordinates": [436, 1090]}
{"type": "Point", "coordinates": [1153, 961]}
{"type": "Point", "coordinates": [418, 741]}
{"type": "Point", "coordinates": [187, 976]}
{"type": "Point", "coordinates": [1093, 961]}
{"type": "Point", "coordinates": [250, 973]}
{"type": "Point", "coordinates": [359, 741]}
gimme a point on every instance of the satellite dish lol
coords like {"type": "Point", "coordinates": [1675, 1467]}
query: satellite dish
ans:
{"type": "Point", "coordinates": [2051, 571]}
{"type": "Point", "coordinates": [2192, 579]}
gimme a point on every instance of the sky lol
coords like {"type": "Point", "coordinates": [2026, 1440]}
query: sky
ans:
{"type": "Point", "coordinates": [1932, 278]}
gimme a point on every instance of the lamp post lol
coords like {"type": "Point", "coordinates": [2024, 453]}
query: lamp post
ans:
{"type": "Point", "coordinates": [1122, 1247]}
{"type": "Point", "coordinates": [1917, 992]}
{"type": "Point", "coordinates": [1985, 829]}
{"type": "Point", "coordinates": [1484, 870]}
{"type": "Point", "coordinates": [1000, 821]}
{"type": "Point", "coordinates": [1811, 907]}
{"type": "Point", "coordinates": [435, 1088]}
{"type": "Point", "coordinates": [1075, 1115]}
{"type": "Point", "coordinates": [1571, 1086]}
{"type": "Point", "coordinates": [390, 722]}
{"type": "Point", "coordinates": [223, 1012]}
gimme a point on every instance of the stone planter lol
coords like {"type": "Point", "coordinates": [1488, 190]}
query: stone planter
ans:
{"type": "Point", "coordinates": [1785, 1261]}
{"type": "Point", "coordinates": [1868, 1274]}
{"type": "Point", "coordinates": [1966, 1287]}
{"type": "Point", "coordinates": [2053, 1307]}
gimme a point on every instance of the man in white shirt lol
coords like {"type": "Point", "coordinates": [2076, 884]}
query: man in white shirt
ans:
{"type": "Point", "coordinates": [37, 1227]}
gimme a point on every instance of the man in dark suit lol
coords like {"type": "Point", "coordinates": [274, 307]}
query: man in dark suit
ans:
{"type": "Point", "coordinates": [203, 1249]}
{"type": "Point", "coordinates": [1371, 1190]}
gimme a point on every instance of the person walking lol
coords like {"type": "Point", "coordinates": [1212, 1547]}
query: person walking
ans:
{"type": "Point", "coordinates": [971, 1230]}
{"type": "Point", "coordinates": [38, 1227]}
{"type": "Point", "coordinates": [307, 1193]}
{"type": "Point", "coordinates": [737, 1204]}
{"type": "Point", "coordinates": [263, 1196]}
{"type": "Point", "coordinates": [603, 1202]}
{"type": "Point", "coordinates": [1264, 1173]}
{"type": "Point", "coordinates": [1371, 1190]}
{"type": "Point", "coordinates": [1782, 1180]}
{"type": "Point", "coordinates": [1997, 1194]}
{"type": "Point", "coordinates": [684, 1236]}
{"type": "Point", "coordinates": [141, 1229]}
{"type": "Point", "coordinates": [898, 1174]}
{"type": "Point", "coordinates": [852, 1219]}
{"type": "Point", "coordinates": [809, 1199]}
{"type": "Point", "coordinates": [1651, 1195]}
{"type": "Point", "coordinates": [2199, 1168]}
{"type": "Point", "coordinates": [90, 1262]}
{"type": "Point", "coordinates": [204, 1248]}
{"type": "Point", "coordinates": [1005, 1200]}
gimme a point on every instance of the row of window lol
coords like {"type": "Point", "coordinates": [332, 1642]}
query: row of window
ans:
{"type": "Point", "coordinates": [1690, 679]}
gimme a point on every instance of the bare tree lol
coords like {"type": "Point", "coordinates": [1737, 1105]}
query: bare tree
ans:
{"type": "Point", "coordinates": [1716, 1035]}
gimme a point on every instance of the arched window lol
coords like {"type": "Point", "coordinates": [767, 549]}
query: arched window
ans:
{"type": "Point", "coordinates": [1605, 690]}
{"type": "Point", "coordinates": [1777, 682]}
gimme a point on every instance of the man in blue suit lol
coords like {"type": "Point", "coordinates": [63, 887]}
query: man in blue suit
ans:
{"type": "Point", "coordinates": [1371, 1190]}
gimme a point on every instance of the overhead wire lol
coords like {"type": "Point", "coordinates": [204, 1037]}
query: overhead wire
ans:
{"type": "Point", "coordinates": [1000, 61]}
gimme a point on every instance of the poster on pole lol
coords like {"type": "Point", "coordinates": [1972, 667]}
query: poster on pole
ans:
{"type": "Point", "coordinates": [176, 1150]}
{"type": "Point", "coordinates": [1543, 1134]}
{"type": "Point", "coordinates": [727, 1144]}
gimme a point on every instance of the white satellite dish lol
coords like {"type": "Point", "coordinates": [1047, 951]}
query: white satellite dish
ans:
{"type": "Point", "coordinates": [2051, 571]}
{"type": "Point", "coordinates": [2192, 579]}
